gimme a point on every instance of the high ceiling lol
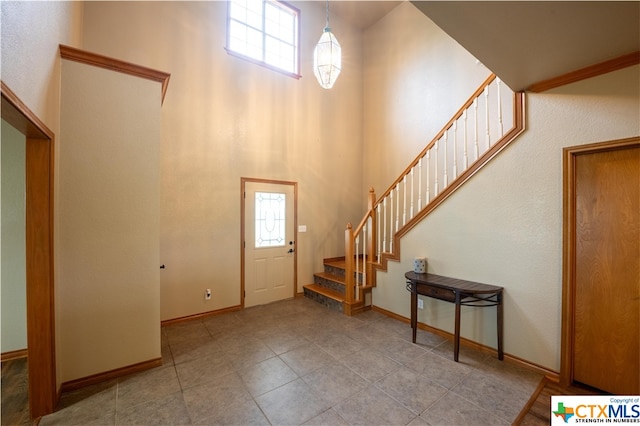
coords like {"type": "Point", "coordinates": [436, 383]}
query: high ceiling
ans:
{"type": "Point", "coordinates": [361, 13]}
{"type": "Point", "coordinates": [523, 42]}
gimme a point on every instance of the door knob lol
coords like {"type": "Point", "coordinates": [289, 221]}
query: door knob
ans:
{"type": "Point", "coordinates": [291, 251]}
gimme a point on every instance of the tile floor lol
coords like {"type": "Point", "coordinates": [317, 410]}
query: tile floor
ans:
{"type": "Point", "coordinates": [15, 393]}
{"type": "Point", "coordinates": [296, 362]}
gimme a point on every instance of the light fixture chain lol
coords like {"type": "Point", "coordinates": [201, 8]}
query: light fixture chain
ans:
{"type": "Point", "coordinates": [327, 18]}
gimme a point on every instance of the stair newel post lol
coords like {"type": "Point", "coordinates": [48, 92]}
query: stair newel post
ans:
{"type": "Point", "coordinates": [372, 242]}
{"type": "Point", "coordinates": [348, 272]}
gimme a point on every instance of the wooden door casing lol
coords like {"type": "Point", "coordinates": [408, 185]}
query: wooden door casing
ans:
{"type": "Point", "coordinates": [39, 175]}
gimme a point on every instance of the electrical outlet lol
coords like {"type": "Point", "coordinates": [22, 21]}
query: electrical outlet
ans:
{"type": "Point", "coordinates": [420, 304]}
{"type": "Point", "coordinates": [207, 294]}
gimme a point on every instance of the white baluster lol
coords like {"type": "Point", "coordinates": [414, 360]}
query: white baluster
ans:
{"type": "Point", "coordinates": [420, 184]}
{"type": "Point", "coordinates": [364, 255]}
{"type": "Point", "coordinates": [435, 171]}
{"type": "Point", "coordinates": [427, 199]}
{"type": "Point", "coordinates": [357, 258]}
{"type": "Point", "coordinates": [391, 205]}
{"type": "Point", "coordinates": [466, 157]}
{"type": "Point", "coordinates": [397, 208]}
{"type": "Point", "coordinates": [378, 240]}
{"type": "Point", "coordinates": [486, 102]}
{"type": "Point", "coordinates": [411, 195]}
{"type": "Point", "coordinates": [455, 149]}
{"type": "Point", "coordinates": [498, 83]}
{"type": "Point", "coordinates": [404, 202]}
{"type": "Point", "coordinates": [445, 177]}
{"type": "Point", "coordinates": [475, 107]}
{"type": "Point", "coordinates": [384, 227]}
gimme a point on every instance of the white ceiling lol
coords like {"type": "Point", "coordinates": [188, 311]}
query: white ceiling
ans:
{"type": "Point", "coordinates": [361, 13]}
{"type": "Point", "coordinates": [523, 42]}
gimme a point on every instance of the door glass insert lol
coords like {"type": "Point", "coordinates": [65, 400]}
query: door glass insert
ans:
{"type": "Point", "coordinates": [270, 219]}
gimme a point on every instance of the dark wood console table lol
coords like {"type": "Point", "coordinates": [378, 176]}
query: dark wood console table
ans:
{"type": "Point", "coordinates": [456, 291]}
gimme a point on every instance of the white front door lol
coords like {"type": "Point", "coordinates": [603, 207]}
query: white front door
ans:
{"type": "Point", "coordinates": [269, 242]}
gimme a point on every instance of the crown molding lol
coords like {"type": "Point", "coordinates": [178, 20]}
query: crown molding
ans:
{"type": "Point", "coordinates": [78, 55]}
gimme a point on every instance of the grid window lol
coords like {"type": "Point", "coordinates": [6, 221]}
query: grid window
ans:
{"type": "Point", "coordinates": [264, 31]}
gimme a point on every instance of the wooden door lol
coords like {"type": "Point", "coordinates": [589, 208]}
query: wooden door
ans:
{"type": "Point", "coordinates": [269, 242]}
{"type": "Point", "coordinates": [606, 293]}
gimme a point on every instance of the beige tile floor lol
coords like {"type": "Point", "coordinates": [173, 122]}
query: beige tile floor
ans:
{"type": "Point", "coordinates": [295, 362]}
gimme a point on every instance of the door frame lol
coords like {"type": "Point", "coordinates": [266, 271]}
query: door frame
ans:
{"type": "Point", "coordinates": [39, 252]}
{"type": "Point", "coordinates": [243, 182]}
{"type": "Point", "coordinates": [569, 157]}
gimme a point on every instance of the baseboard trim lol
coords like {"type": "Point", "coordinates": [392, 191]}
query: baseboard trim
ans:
{"type": "Point", "coordinates": [201, 315]}
{"type": "Point", "coordinates": [553, 376]}
{"type": "Point", "coordinates": [109, 375]}
{"type": "Point", "coordinates": [11, 355]}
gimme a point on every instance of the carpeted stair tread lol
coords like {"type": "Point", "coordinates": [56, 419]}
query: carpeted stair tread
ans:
{"type": "Point", "coordinates": [325, 292]}
{"type": "Point", "coordinates": [330, 277]}
{"type": "Point", "coordinates": [336, 263]}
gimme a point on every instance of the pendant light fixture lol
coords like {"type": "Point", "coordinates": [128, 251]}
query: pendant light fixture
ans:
{"type": "Point", "coordinates": [327, 57]}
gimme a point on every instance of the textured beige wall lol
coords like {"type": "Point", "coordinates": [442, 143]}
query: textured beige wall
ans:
{"type": "Point", "coordinates": [31, 33]}
{"type": "Point", "coordinates": [108, 297]}
{"type": "Point", "coordinates": [504, 226]}
{"type": "Point", "coordinates": [415, 78]}
{"type": "Point", "coordinates": [225, 118]}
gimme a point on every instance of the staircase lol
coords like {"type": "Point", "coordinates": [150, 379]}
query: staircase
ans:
{"type": "Point", "coordinates": [474, 136]}
{"type": "Point", "coordinates": [329, 287]}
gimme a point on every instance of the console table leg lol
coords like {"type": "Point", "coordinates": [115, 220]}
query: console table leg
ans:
{"type": "Point", "coordinates": [500, 313]}
{"type": "Point", "coordinates": [456, 339]}
{"type": "Point", "coordinates": [414, 314]}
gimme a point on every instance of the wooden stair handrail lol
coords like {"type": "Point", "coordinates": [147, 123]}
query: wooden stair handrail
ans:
{"type": "Point", "coordinates": [370, 215]}
{"type": "Point", "coordinates": [439, 135]}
